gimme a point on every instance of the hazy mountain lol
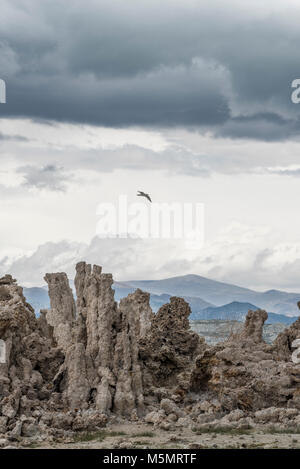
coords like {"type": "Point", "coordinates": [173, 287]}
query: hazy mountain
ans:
{"type": "Point", "coordinates": [196, 304]}
{"type": "Point", "coordinates": [208, 299]}
{"type": "Point", "coordinates": [156, 301]}
{"type": "Point", "coordinates": [192, 285]}
{"type": "Point", "coordinates": [219, 293]}
{"type": "Point", "coordinates": [237, 311]}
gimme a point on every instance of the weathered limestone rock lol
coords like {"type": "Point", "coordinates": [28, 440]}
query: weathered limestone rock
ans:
{"type": "Point", "coordinates": [170, 408]}
{"type": "Point", "coordinates": [31, 361]}
{"type": "Point", "coordinates": [101, 367]}
{"type": "Point", "coordinates": [75, 367]}
{"type": "Point", "coordinates": [169, 347]}
{"type": "Point", "coordinates": [283, 343]}
{"type": "Point", "coordinates": [61, 314]}
{"type": "Point", "coordinates": [7, 280]}
{"type": "Point", "coordinates": [135, 316]}
{"type": "Point", "coordinates": [253, 327]}
{"type": "Point", "coordinates": [71, 379]}
{"type": "Point", "coordinates": [244, 372]}
{"type": "Point", "coordinates": [98, 318]}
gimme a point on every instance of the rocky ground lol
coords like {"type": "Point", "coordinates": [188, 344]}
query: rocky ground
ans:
{"type": "Point", "coordinates": [98, 374]}
{"type": "Point", "coordinates": [143, 436]}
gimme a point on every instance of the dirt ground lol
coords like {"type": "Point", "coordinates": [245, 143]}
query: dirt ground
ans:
{"type": "Point", "coordinates": [148, 437]}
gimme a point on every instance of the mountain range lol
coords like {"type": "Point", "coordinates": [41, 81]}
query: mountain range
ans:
{"type": "Point", "coordinates": [208, 299]}
{"type": "Point", "coordinates": [218, 293]}
{"type": "Point", "coordinates": [237, 311]}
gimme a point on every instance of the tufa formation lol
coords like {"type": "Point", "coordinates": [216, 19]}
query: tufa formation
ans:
{"type": "Point", "coordinates": [83, 364]}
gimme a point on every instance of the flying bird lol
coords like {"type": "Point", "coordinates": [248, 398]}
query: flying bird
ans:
{"type": "Point", "coordinates": [143, 194]}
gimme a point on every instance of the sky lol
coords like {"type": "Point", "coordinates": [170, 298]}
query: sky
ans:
{"type": "Point", "coordinates": [187, 100]}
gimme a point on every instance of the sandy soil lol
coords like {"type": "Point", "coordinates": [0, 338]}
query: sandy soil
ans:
{"type": "Point", "coordinates": [147, 437]}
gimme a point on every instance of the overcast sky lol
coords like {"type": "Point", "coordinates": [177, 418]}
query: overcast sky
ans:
{"type": "Point", "coordinates": [187, 100]}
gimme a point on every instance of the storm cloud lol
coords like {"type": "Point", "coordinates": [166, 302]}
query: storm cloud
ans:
{"type": "Point", "coordinates": [189, 101]}
{"type": "Point", "coordinates": [221, 67]}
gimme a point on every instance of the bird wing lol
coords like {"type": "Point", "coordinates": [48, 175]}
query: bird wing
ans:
{"type": "Point", "coordinates": [143, 194]}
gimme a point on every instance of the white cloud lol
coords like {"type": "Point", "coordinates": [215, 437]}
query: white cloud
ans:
{"type": "Point", "coordinates": [247, 182]}
{"type": "Point", "coordinates": [61, 136]}
{"type": "Point", "coordinates": [239, 254]}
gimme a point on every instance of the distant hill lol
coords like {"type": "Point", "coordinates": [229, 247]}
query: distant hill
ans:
{"type": "Point", "coordinates": [156, 301]}
{"type": "Point", "coordinates": [219, 293]}
{"type": "Point", "coordinates": [236, 311]}
{"type": "Point", "coordinates": [196, 304]}
{"type": "Point", "coordinates": [208, 299]}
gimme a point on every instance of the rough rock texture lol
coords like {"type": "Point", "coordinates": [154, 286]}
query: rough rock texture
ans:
{"type": "Point", "coordinates": [135, 317]}
{"type": "Point", "coordinates": [283, 342]}
{"type": "Point", "coordinates": [32, 359]}
{"type": "Point", "coordinates": [101, 368]}
{"type": "Point", "coordinates": [170, 347]}
{"type": "Point", "coordinates": [82, 364]}
{"type": "Point", "coordinates": [253, 327]}
{"type": "Point", "coordinates": [246, 373]}
{"type": "Point", "coordinates": [62, 313]}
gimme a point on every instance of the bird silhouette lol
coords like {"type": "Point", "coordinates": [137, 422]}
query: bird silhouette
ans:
{"type": "Point", "coordinates": [143, 194]}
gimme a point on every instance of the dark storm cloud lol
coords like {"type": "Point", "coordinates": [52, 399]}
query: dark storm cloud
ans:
{"type": "Point", "coordinates": [152, 63]}
{"type": "Point", "coordinates": [165, 97]}
{"type": "Point", "coordinates": [264, 126]}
